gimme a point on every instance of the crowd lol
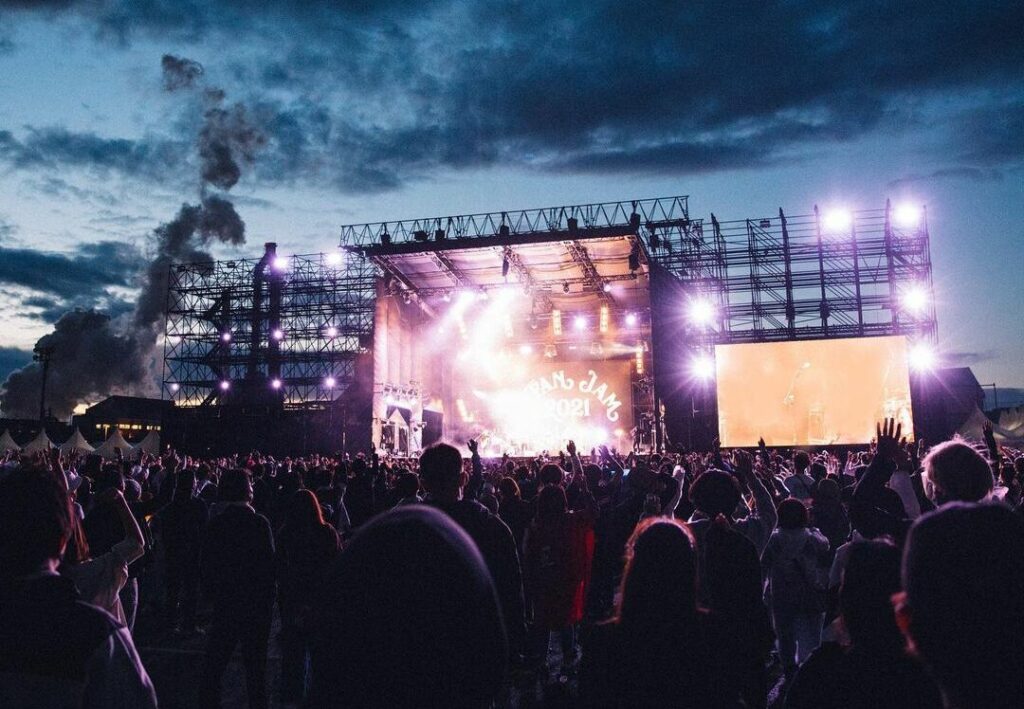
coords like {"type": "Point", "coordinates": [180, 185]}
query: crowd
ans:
{"type": "Point", "coordinates": [887, 577]}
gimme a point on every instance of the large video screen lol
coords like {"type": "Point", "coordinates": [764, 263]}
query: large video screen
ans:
{"type": "Point", "coordinates": [815, 392]}
{"type": "Point", "coordinates": [525, 405]}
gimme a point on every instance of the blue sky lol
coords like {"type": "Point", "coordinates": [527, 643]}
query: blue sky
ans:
{"type": "Point", "coordinates": [375, 110]}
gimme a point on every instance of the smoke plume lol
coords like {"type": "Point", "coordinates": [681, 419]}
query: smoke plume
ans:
{"type": "Point", "coordinates": [95, 355]}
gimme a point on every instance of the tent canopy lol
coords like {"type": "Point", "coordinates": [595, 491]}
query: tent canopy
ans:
{"type": "Point", "coordinates": [108, 449]}
{"type": "Point", "coordinates": [150, 444]}
{"type": "Point", "coordinates": [41, 442]}
{"type": "Point", "coordinates": [7, 443]}
{"type": "Point", "coordinates": [76, 444]}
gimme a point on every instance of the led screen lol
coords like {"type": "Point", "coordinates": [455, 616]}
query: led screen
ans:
{"type": "Point", "coordinates": [815, 392]}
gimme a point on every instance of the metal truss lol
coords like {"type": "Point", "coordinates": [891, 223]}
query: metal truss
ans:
{"type": "Point", "coordinates": [303, 325]}
{"type": "Point", "coordinates": [794, 278]}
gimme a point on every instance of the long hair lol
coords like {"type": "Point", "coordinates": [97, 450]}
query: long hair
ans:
{"type": "Point", "coordinates": [659, 584]}
{"type": "Point", "coordinates": [304, 511]}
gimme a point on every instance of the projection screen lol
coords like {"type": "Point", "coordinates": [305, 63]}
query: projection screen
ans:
{"type": "Point", "coordinates": [814, 392]}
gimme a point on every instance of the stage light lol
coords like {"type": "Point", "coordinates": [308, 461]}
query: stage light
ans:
{"type": "Point", "coordinates": [466, 297]}
{"type": "Point", "coordinates": [275, 383]}
{"type": "Point", "coordinates": [607, 287]}
{"type": "Point", "coordinates": [225, 336]}
{"type": "Point", "coordinates": [484, 295]}
{"type": "Point", "coordinates": [702, 367]}
{"type": "Point", "coordinates": [525, 350]}
{"type": "Point", "coordinates": [701, 311]}
{"type": "Point", "coordinates": [225, 385]}
{"type": "Point", "coordinates": [174, 386]}
{"type": "Point", "coordinates": [329, 382]}
{"type": "Point", "coordinates": [446, 297]}
{"type": "Point", "coordinates": [278, 334]}
{"type": "Point", "coordinates": [603, 321]}
{"type": "Point", "coordinates": [631, 319]}
{"type": "Point", "coordinates": [638, 354]}
{"type": "Point", "coordinates": [915, 299]}
{"type": "Point", "coordinates": [579, 322]}
{"type": "Point", "coordinates": [332, 331]}
{"type": "Point", "coordinates": [280, 263]}
{"type": "Point", "coordinates": [906, 216]}
{"type": "Point", "coordinates": [556, 322]}
{"type": "Point", "coordinates": [335, 258]}
{"type": "Point", "coordinates": [921, 357]}
{"type": "Point", "coordinates": [836, 220]}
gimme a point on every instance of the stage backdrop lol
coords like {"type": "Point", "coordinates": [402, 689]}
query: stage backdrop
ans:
{"type": "Point", "coordinates": [812, 392]}
{"type": "Point", "coordinates": [524, 405]}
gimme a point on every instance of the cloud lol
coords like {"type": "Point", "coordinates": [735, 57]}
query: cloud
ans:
{"type": "Point", "coordinates": [972, 174]}
{"type": "Point", "coordinates": [969, 359]}
{"type": "Point", "coordinates": [12, 358]}
{"type": "Point", "coordinates": [89, 271]}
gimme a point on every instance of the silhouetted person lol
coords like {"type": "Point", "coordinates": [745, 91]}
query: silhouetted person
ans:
{"type": "Point", "coordinates": [181, 525]}
{"type": "Point", "coordinates": [443, 478]}
{"type": "Point", "coordinates": [874, 670]}
{"type": "Point", "coordinates": [661, 649]}
{"type": "Point", "coordinates": [423, 629]}
{"type": "Point", "coordinates": [305, 546]}
{"type": "Point", "coordinates": [55, 649]}
{"type": "Point", "coordinates": [963, 609]}
{"type": "Point", "coordinates": [237, 574]}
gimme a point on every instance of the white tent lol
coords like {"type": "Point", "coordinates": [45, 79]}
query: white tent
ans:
{"type": "Point", "coordinates": [7, 443]}
{"type": "Point", "coordinates": [76, 444]}
{"type": "Point", "coordinates": [973, 428]}
{"type": "Point", "coordinates": [150, 444]}
{"type": "Point", "coordinates": [41, 442]}
{"type": "Point", "coordinates": [108, 449]}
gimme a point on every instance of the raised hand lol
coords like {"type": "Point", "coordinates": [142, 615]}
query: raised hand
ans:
{"type": "Point", "coordinates": [888, 442]}
{"type": "Point", "coordinates": [473, 445]}
{"type": "Point", "coordinates": [571, 447]}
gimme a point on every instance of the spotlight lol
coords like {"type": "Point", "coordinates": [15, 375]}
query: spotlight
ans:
{"type": "Point", "coordinates": [225, 336]}
{"type": "Point", "coordinates": [837, 220]}
{"type": "Point", "coordinates": [702, 367]}
{"type": "Point", "coordinates": [906, 216]}
{"type": "Point", "coordinates": [225, 385]}
{"type": "Point", "coordinates": [525, 350]}
{"type": "Point", "coordinates": [915, 299]}
{"type": "Point", "coordinates": [446, 297]}
{"type": "Point", "coordinates": [607, 287]}
{"type": "Point", "coordinates": [921, 357]}
{"type": "Point", "coordinates": [174, 386]}
{"type": "Point", "coordinates": [275, 383]}
{"type": "Point", "coordinates": [280, 263]}
{"type": "Point", "coordinates": [701, 311]}
{"type": "Point", "coordinates": [631, 319]}
{"type": "Point", "coordinates": [420, 235]}
{"type": "Point", "coordinates": [335, 258]}
{"type": "Point", "coordinates": [329, 382]}
{"type": "Point", "coordinates": [332, 331]}
{"type": "Point", "coordinates": [385, 238]}
{"type": "Point", "coordinates": [579, 322]}
{"type": "Point", "coordinates": [278, 334]}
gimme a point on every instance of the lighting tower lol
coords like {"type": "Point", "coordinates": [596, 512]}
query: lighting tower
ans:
{"type": "Point", "coordinates": [42, 354]}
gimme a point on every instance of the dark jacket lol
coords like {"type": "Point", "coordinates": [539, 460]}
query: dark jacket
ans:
{"type": "Point", "coordinates": [237, 561]}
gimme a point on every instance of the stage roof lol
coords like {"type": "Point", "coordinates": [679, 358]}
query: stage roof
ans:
{"type": "Point", "coordinates": [595, 270]}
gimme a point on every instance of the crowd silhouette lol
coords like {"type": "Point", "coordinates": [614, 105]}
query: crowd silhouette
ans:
{"type": "Point", "coordinates": [889, 576]}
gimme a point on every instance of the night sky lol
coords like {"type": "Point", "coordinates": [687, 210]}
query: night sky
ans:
{"type": "Point", "coordinates": [341, 112]}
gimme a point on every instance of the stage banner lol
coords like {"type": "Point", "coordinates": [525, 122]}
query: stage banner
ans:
{"type": "Point", "coordinates": [537, 407]}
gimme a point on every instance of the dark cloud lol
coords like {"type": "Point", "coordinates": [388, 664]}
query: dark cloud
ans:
{"type": "Point", "coordinates": [969, 359]}
{"type": "Point", "coordinates": [12, 358]}
{"type": "Point", "coordinates": [180, 73]}
{"type": "Point", "coordinates": [993, 135]}
{"type": "Point", "coordinates": [88, 272]}
{"type": "Point", "coordinates": [973, 174]}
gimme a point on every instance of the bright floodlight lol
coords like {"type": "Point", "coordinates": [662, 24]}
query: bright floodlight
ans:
{"type": "Point", "coordinates": [275, 383]}
{"type": "Point", "coordinates": [225, 385]}
{"type": "Point", "coordinates": [525, 349]}
{"type": "Point", "coordinates": [332, 331]}
{"type": "Point", "coordinates": [701, 311]}
{"type": "Point", "coordinates": [607, 287]}
{"type": "Point", "coordinates": [335, 258]}
{"type": "Point", "coordinates": [226, 336]}
{"type": "Point", "coordinates": [631, 319]}
{"type": "Point", "coordinates": [280, 263]}
{"type": "Point", "coordinates": [837, 220]}
{"type": "Point", "coordinates": [915, 299]}
{"type": "Point", "coordinates": [906, 216]}
{"type": "Point", "coordinates": [278, 334]}
{"type": "Point", "coordinates": [174, 386]}
{"type": "Point", "coordinates": [579, 322]}
{"type": "Point", "coordinates": [702, 367]}
{"type": "Point", "coordinates": [329, 382]}
{"type": "Point", "coordinates": [921, 357]}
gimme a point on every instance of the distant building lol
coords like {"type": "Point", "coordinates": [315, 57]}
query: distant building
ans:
{"type": "Point", "coordinates": [135, 417]}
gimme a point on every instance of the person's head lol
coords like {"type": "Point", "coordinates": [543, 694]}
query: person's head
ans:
{"type": "Point", "coordinates": [826, 492]}
{"type": "Point", "coordinates": [108, 478]}
{"type": "Point", "coordinates": [490, 501]}
{"type": "Point", "coordinates": [304, 511]}
{"type": "Point", "coordinates": [509, 489]}
{"type": "Point", "coordinates": [592, 473]}
{"type": "Point", "coordinates": [715, 493]}
{"type": "Point", "coordinates": [792, 514]}
{"type": "Point", "coordinates": [801, 461]}
{"type": "Point", "coordinates": [659, 582]}
{"type": "Point", "coordinates": [35, 523]}
{"type": "Point", "coordinates": [963, 607]}
{"type": "Point", "coordinates": [184, 485]}
{"type": "Point", "coordinates": [235, 486]}
{"type": "Point", "coordinates": [956, 471]}
{"type": "Point", "coordinates": [441, 471]}
{"type": "Point", "coordinates": [407, 484]}
{"type": "Point", "coordinates": [817, 470]}
{"type": "Point", "coordinates": [551, 503]}
{"type": "Point", "coordinates": [427, 624]}
{"type": "Point", "coordinates": [871, 577]}
{"type": "Point", "coordinates": [551, 474]}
